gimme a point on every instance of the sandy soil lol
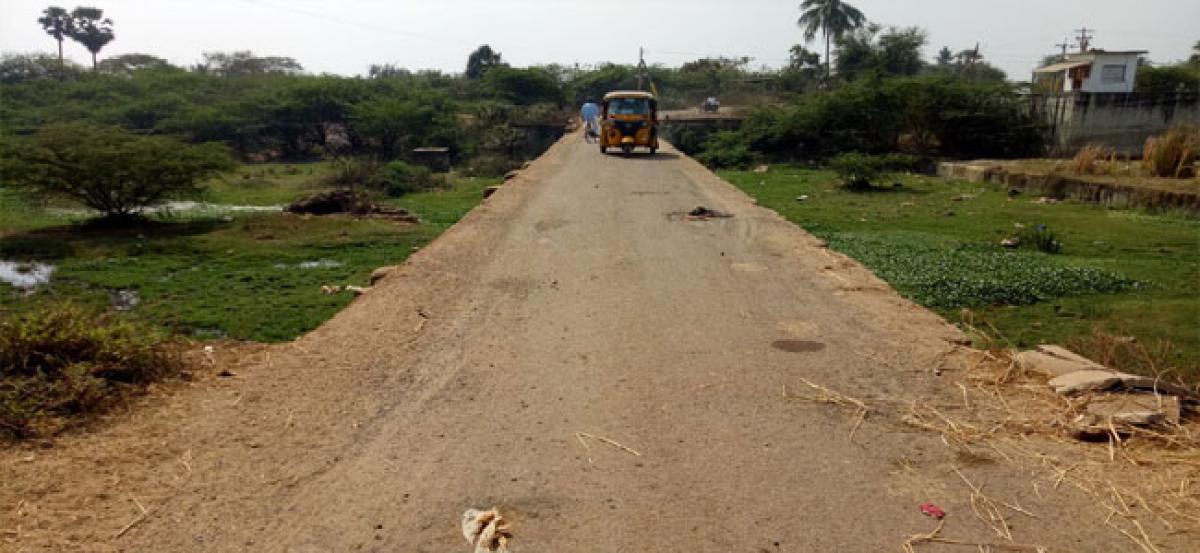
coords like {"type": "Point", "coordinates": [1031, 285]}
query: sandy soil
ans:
{"type": "Point", "coordinates": [577, 303]}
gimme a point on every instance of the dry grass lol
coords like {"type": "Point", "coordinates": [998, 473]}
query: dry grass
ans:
{"type": "Point", "coordinates": [1147, 479]}
{"type": "Point", "coordinates": [1093, 159]}
{"type": "Point", "coordinates": [825, 395]}
{"type": "Point", "coordinates": [1173, 154]}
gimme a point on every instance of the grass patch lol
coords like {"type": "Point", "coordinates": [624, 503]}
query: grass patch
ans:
{"type": "Point", "coordinates": [249, 276]}
{"type": "Point", "coordinates": [1123, 273]}
{"type": "Point", "coordinates": [66, 361]}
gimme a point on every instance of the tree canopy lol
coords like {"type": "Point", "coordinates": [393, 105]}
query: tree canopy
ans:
{"type": "Point", "coordinates": [832, 18]}
{"type": "Point", "coordinates": [482, 60]}
{"type": "Point", "coordinates": [90, 28]}
{"type": "Point", "coordinates": [109, 169]}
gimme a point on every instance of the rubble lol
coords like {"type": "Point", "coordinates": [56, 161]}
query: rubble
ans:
{"type": "Point", "coordinates": [344, 200]}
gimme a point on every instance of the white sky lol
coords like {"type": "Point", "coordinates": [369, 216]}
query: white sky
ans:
{"type": "Point", "coordinates": [347, 36]}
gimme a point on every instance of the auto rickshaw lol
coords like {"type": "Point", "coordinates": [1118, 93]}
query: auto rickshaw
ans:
{"type": "Point", "coordinates": [629, 119]}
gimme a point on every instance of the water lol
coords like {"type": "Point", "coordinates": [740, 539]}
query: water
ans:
{"type": "Point", "coordinates": [25, 275]}
{"type": "Point", "coordinates": [320, 264]}
{"type": "Point", "coordinates": [181, 208]}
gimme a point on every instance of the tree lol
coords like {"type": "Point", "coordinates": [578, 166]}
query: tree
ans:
{"type": "Point", "coordinates": [1168, 79]}
{"type": "Point", "coordinates": [58, 24]}
{"type": "Point", "coordinates": [481, 60]}
{"type": "Point", "coordinates": [110, 169]}
{"type": "Point", "coordinates": [945, 57]}
{"type": "Point", "coordinates": [244, 62]}
{"type": "Point", "coordinates": [1195, 59]}
{"type": "Point", "coordinates": [523, 87]}
{"type": "Point", "coordinates": [394, 124]}
{"type": "Point", "coordinates": [19, 68]}
{"type": "Point", "coordinates": [90, 28]}
{"type": "Point", "coordinates": [894, 52]}
{"type": "Point", "coordinates": [127, 64]}
{"type": "Point", "coordinates": [832, 18]}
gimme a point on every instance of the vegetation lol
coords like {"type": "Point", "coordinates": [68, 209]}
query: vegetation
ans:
{"type": "Point", "coordinates": [1169, 79]}
{"type": "Point", "coordinates": [1116, 273]}
{"type": "Point", "coordinates": [220, 273]}
{"type": "Point", "coordinates": [833, 18]}
{"type": "Point", "coordinates": [925, 115]}
{"type": "Point", "coordinates": [111, 170]}
{"type": "Point", "coordinates": [1173, 154]}
{"type": "Point", "coordinates": [91, 29]}
{"type": "Point", "coordinates": [66, 361]}
{"type": "Point", "coordinates": [858, 171]}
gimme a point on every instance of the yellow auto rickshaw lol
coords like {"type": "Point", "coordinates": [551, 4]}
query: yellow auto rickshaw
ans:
{"type": "Point", "coordinates": [629, 119]}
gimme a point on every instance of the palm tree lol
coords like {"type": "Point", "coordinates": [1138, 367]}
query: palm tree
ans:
{"type": "Point", "coordinates": [91, 30]}
{"type": "Point", "coordinates": [833, 18]}
{"type": "Point", "coordinates": [58, 24]}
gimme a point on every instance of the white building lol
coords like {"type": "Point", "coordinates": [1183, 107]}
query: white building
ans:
{"type": "Point", "coordinates": [1092, 71]}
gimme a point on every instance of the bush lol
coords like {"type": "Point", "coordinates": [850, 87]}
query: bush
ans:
{"type": "Point", "coordinates": [109, 169]}
{"type": "Point", "coordinates": [928, 115]}
{"type": "Point", "coordinates": [726, 150]}
{"type": "Point", "coordinates": [353, 172]}
{"type": "Point", "coordinates": [1041, 238]}
{"type": "Point", "coordinates": [1087, 161]}
{"type": "Point", "coordinates": [1170, 79]}
{"type": "Point", "coordinates": [67, 361]}
{"type": "Point", "coordinates": [1173, 154]}
{"type": "Point", "coordinates": [859, 171]}
{"type": "Point", "coordinates": [399, 178]}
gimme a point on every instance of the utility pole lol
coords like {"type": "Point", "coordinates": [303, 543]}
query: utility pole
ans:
{"type": "Point", "coordinates": [1063, 45]}
{"type": "Point", "coordinates": [1085, 38]}
{"type": "Point", "coordinates": [641, 68]}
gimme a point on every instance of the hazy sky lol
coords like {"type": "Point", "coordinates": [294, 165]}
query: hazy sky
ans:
{"type": "Point", "coordinates": [347, 36]}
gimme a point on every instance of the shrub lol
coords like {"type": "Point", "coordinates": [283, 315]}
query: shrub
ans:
{"type": "Point", "coordinates": [399, 178]}
{"type": "Point", "coordinates": [1173, 154]}
{"type": "Point", "coordinates": [1087, 161]}
{"type": "Point", "coordinates": [109, 169]}
{"type": "Point", "coordinates": [726, 150]}
{"type": "Point", "coordinates": [353, 172]}
{"type": "Point", "coordinates": [67, 361]}
{"type": "Point", "coordinates": [935, 114]}
{"type": "Point", "coordinates": [859, 171]}
{"type": "Point", "coordinates": [1041, 238]}
{"type": "Point", "coordinates": [1169, 79]}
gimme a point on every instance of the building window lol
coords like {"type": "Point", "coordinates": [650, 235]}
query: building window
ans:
{"type": "Point", "coordinates": [1112, 74]}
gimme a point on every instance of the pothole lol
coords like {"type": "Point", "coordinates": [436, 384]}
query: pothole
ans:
{"type": "Point", "coordinates": [700, 213]}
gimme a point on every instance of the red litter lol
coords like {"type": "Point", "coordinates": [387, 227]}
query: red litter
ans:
{"type": "Point", "coordinates": [932, 510]}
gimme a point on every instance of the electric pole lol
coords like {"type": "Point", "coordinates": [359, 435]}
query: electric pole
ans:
{"type": "Point", "coordinates": [1085, 38]}
{"type": "Point", "coordinates": [1063, 45]}
{"type": "Point", "coordinates": [641, 68]}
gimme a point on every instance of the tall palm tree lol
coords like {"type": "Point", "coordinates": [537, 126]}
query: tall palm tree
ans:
{"type": "Point", "coordinates": [833, 18]}
{"type": "Point", "coordinates": [91, 29]}
{"type": "Point", "coordinates": [58, 24]}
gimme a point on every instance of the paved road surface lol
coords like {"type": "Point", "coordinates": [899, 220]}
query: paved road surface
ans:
{"type": "Point", "coordinates": [577, 299]}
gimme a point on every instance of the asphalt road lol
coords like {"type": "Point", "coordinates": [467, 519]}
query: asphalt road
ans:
{"type": "Point", "coordinates": [577, 310]}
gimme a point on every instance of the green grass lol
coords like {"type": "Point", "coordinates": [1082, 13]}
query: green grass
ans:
{"type": "Point", "coordinates": [267, 183]}
{"type": "Point", "coordinates": [236, 276]}
{"type": "Point", "coordinates": [1121, 272]}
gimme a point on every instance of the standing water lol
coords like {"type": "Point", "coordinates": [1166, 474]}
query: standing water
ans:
{"type": "Point", "coordinates": [25, 275]}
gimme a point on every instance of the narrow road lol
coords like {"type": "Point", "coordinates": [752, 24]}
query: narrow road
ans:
{"type": "Point", "coordinates": [577, 309]}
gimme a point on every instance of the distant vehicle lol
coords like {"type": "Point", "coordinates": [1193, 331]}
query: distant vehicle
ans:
{"type": "Point", "coordinates": [629, 120]}
{"type": "Point", "coordinates": [711, 105]}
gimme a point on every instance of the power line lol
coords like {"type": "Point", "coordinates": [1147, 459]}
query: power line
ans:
{"type": "Point", "coordinates": [344, 21]}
